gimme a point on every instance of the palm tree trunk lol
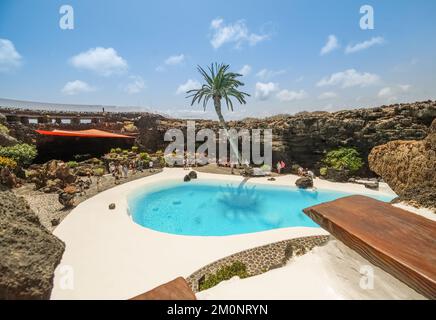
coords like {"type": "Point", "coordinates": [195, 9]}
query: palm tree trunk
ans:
{"type": "Point", "coordinates": [217, 104]}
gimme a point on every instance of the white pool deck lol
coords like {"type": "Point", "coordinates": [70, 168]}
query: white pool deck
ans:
{"type": "Point", "coordinates": [108, 256]}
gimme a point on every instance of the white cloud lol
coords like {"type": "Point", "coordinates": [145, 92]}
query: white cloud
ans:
{"type": "Point", "coordinates": [349, 78]}
{"type": "Point", "coordinates": [236, 33]}
{"type": "Point", "coordinates": [385, 92]}
{"type": "Point", "coordinates": [188, 85]}
{"type": "Point", "coordinates": [264, 90]}
{"type": "Point", "coordinates": [392, 92]}
{"type": "Point", "coordinates": [286, 95]}
{"type": "Point", "coordinates": [174, 60]}
{"type": "Point", "coordinates": [136, 86]}
{"type": "Point", "coordinates": [327, 95]}
{"type": "Point", "coordinates": [245, 70]}
{"type": "Point", "coordinates": [103, 61]}
{"type": "Point", "coordinates": [332, 44]}
{"type": "Point", "coordinates": [9, 57]}
{"type": "Point", "coordinates": [404, 87]}
{"type": "Point", "coordinates": [266, 74]}
{"type": "Point", "coordinates": [364, 45]}
{"type": "Point", "coordinates": [75, 87]}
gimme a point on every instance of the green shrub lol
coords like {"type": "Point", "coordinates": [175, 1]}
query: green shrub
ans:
{"type": "Point", "coordinates": [99, 172]}
{"type": "Point", "coordinates": [323, 171]}
{"type": "Point", "coordinates": [344, 158]}
{"type": "Point", "coordinates": [144, 156]}
{"type": "Point", "coordinates": [72, 164]}
{"type": "Point", "coordinates": [23, 154]}
{"type": "Point", "coordinates": [265, 168]}
{"type": "Point", "coordinates": [7, 162]}
{"type": "Point", "coordinates": [135, 149]}
{"type": "Point", "coordinates": [162, 161]}
{"type": "Point", "coordinates": [4, 129]}
{"type": "Point", "coordinates": [237, 268]}
{"type": "Point", "coordinates": [118, 150]}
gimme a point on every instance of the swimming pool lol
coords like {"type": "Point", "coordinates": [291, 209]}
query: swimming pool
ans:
{"type": "Point", "coordinates": [212, 208]}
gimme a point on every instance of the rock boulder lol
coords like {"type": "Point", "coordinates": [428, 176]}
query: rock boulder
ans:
{"type": "Point", "coordinates": [304, 183]}
{"type": "Point", "coordinates": [29, 252]}
{"type": "Point", "coordinates": [409, 168]}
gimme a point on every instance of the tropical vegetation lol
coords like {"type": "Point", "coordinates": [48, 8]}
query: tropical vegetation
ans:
{"type": "Point", "coordinates": [23, 154]}
{"type": "Point", "coordinates": [220, 84]}
{"type": "Point", "coordinates": [344, 158]}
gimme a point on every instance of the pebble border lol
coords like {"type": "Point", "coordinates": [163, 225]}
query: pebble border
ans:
{"type": "Point", "coordinates": [261, 259]}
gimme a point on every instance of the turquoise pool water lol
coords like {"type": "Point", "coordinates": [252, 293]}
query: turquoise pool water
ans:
{"type": "Point", "coordinates": [220, 208]}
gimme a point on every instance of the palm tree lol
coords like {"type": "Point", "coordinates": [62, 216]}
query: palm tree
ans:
{"type": "Point", "coordinates": [219, 84]}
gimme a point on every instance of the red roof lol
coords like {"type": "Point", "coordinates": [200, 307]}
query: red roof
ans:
{"type": "Point", "coordinates": [92, 133]}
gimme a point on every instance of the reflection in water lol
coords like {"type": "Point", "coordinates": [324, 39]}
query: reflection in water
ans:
{"type": "Point", "coordinates": [308, 194]}
{"type": "Point", "coordinates": [239, 201]}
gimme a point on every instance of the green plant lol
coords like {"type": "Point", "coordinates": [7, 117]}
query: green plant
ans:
{"type": "Point", "coordinates": [162, 161]}
{"type": "Point", "coordinates": [265, 168]}
{"type": "Point", "coordinates": [135, 149]}
{"type": "Point", "coordinates": [22, 153]}
{"type": "Point", "coordinates": [323, 171]}
{"type": "Point", "coordinates": [344, 158]}
{"type": "Point", "coordinates": [125, 152]}
{"type": "Point", "coordinates": [118, 150]}
{"type": "Point", "coordinates": [144, 156]}
{"type": "Point", "coordinates": [237, 268]}
{"type": "Point", "coordinates": [99, 172]}
{"type": "Point", "coordinates": [4, 129]}
{"type": "Point", "coordinates": [219, 84]}
{"type": "Point", "coordinates": [72, 164]}
{"type": "Point", "coordinates": [7, 162]}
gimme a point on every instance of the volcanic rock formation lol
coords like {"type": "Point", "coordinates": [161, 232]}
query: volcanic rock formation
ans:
{"type": "Point", "coordinates": [29, 252]}
{"type": "Point", "coordinates": [409, 167]}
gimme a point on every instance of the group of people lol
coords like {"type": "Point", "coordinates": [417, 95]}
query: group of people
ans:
{"type": "Point", "coordinates": [302, 172]}
{"type": "Point", "coordinates": [121, 170]}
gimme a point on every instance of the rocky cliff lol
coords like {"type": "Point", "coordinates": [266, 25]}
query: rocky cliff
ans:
{"type": "Point", "coordinates": [409, 167]}
{"type": "Point", "coordinates": [304, 138]}
{"type": "Point", "coordinates": [29, 252]}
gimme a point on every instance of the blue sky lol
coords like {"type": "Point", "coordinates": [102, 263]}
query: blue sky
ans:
{"type": "Point", "coordinates": [296, 55]}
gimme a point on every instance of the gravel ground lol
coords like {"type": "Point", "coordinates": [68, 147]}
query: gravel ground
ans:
{"type": "Point", "coordinates": [47, 207]}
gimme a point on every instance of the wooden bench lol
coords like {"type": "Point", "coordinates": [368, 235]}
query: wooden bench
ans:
{"type": "Point", "coordinates": [398, 241]}
{"type": "Point", "coordinates": [177, 289]}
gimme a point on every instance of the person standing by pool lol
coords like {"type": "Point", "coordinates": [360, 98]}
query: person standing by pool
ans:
{"type": "Point", "coordinates": [150, 165]}
{"type": "Point", "coordinates": [117, 173]}
{"type": "Point", "coordinates": [279, 167]}
{"type": "Point", "coordinates": [282, 165]}
{"type": "Point", "coordinates": [140, 165]}
{"type": "Point", "coordinates": [300, 171]}
{"type": "Point", "coordinates": [125, 171]}
{"type": "Point", "coordinates": [111, 168]}
{"type": "Point", "coordinates": [119, 170]}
